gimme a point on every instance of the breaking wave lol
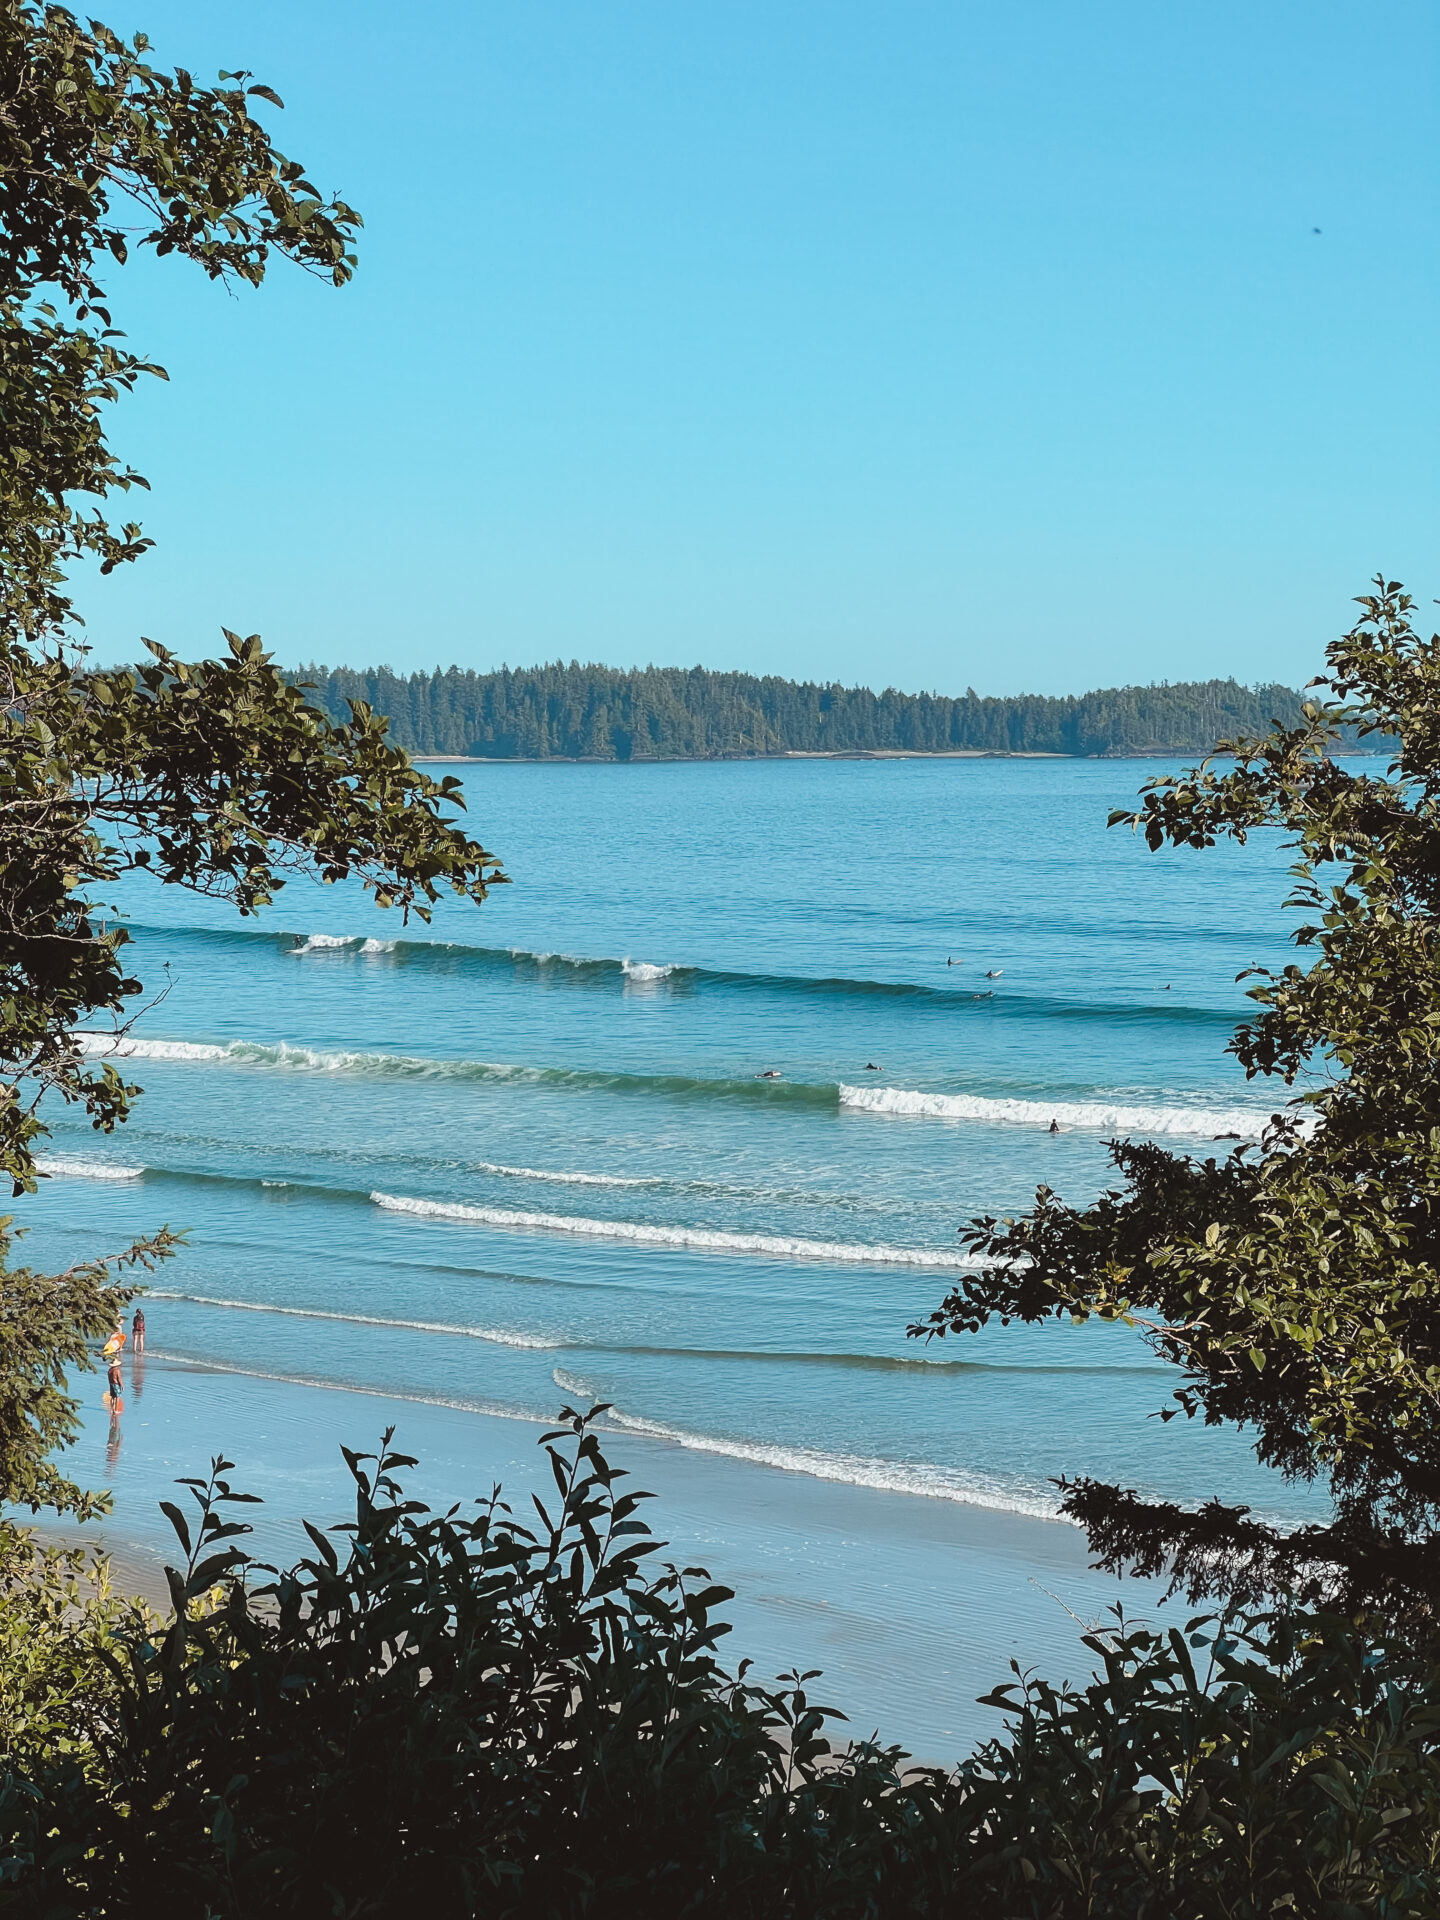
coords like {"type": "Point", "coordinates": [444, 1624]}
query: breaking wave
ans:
{"type": "Point", "coordinates": [974, 997]}
{"type": "Point", "coordinates": [642, 970]}
{"type": "Point", "coordinates": [1103, 1116]}
{"type": "Point", "coordinates": [76, 1166]}
{"type": "Point", "coordinates": [340, 943]}
{"type": "Point", "coordinates": [495, 1336]}
{"type": "Point", "coordinates": [569, 1179]}
{"type": "Point", "coordinates": [967, 1487]}
{"type": "Point", "coordinates": [786, 1246]}
{"type": "Point", "coordinates": [284, 1054]}
{"type": "Point", "coordinates": [1092, 1115]}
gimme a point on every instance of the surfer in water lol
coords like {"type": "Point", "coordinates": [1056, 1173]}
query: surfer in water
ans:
{"type": "Point", "coordinates": [994, 973]}
{"type": "Point", "coordinates": [870, 1067]}
{"type": "Point", "coordinates": [770, 1073]}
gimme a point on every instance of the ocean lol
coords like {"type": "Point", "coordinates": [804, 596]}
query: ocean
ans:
{"type": "Point", "coordinates": [454, 1177]}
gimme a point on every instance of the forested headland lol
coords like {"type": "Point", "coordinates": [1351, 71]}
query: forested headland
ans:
{"type": "Point", "coordinates": [580, 712]}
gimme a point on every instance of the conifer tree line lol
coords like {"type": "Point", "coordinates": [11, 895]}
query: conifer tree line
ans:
{"type": "Point", "coordinates": [580, 712]}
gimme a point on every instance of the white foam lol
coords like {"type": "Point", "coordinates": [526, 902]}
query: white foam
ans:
{"type": "Point", "coordinates": [785, 1245]}
{"type": "Point", "coordinates": [643, 971]}
{"type": "Point", "coordinates": [564, 1179]}
{"type": "Point", "coordinates": [379, 946]}
{"type": "Point", "coordinates": [280, 1053]}
{"type": "Point", "coordinates": [325, 942]}
{"type": "Point", "coordinates": [1097, 1115]}
{"type": "Point", "coordinates": [968, 1488]}
{"type": "Point", "coordinates": [76, 1167]}
{"type": "Point", "coordinates": [496, 1336]}
{"type": "Point", "coordinates": [123, 1046]}
{"type": "Point", "coordinates": [550, 959]}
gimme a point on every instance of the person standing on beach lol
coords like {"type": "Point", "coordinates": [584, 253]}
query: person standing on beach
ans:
{"type": "Point", "coordinates": [137, 1331]}
{"type": "Point", "coordinates": [116, 1386]}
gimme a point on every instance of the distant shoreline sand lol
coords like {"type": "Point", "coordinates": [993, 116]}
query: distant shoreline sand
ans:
{"type": "Point", "coordinates": [1188, 754]}
{"type": "Point", "coordinates": [791, 753]}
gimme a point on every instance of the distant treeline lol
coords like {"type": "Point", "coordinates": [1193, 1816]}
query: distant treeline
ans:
{"type": "Point", "coordinates": [579, 712]}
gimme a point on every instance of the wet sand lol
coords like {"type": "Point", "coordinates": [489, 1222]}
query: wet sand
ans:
{"type": "Point", "coordinates": [912, 1606]}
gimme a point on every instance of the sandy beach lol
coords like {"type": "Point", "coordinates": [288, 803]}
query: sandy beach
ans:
{"type": "Point", "coordinates": [912, 1606]}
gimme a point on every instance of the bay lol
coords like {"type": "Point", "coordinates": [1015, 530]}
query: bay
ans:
{"type": "Point", "coordinates": [525, 1156]}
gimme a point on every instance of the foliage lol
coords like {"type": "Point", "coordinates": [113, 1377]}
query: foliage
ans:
{"type": "Point", "coordinates": [458, 1714]}
{"type": "Point", "coordinates": [455, 1712]}
{"type": "Point", "coordinates": [669, 713]}
{"type": "Point", "coordinates": [59, 1620]}
{"type": "Point", "coordinates": [48, 1323]}
{"type": "Point", "coordinates": [1297, 1285]}
{"type": "Point", "coordinates": [99, 152]}
{"type": "Point", "coordinates": [215, 776]}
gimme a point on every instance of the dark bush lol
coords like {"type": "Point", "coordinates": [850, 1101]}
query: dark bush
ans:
{"type": "Point", "coordinates": [456, 1714]}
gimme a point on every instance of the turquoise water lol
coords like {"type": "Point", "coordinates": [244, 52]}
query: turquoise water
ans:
{"type": "Point", "coordinates": [522, 1156]}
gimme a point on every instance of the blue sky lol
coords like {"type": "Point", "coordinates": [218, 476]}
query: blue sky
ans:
{"type": "Point", "coordinates": [917, 344]}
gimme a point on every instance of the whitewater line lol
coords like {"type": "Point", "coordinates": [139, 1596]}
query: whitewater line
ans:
{"type": "Point", "coordinates": [965, 1488]}
{"type": "Point", "coordinates": [1091, 1115]}
{"type": "Point", "coordinates": [570, 1179]}
{"type": "Point", "coordinates": [530, 1342]}
{"type": "Point", "coordinates": [704, 1238]}
{"type": "Point", "coordinates": [76, 1167]}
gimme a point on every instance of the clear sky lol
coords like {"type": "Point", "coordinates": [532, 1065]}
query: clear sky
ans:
{"type": "Point", "coordinates": [927, 343]}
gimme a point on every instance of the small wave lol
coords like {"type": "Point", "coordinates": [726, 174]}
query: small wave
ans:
{"type": "Point", "coordinates": [966, 1487]}
{"type": "Point", "coordinates": [496, 1337]}
{"type": "Point", "coordinates": [282, 1053]}
{"type": "Point", "coordinates": [712, 1240]}
{"type": "Point", "coordinates": [566, 1179]}
{"type": "Point", "coordinates": [642, 971]}
{"type": "Point", "coordinates": [459, 1403]}
{"type": "Point", "coordinates": [974, 998]}
{"type": "Point", "coordinates": [1093, 1115]}
{"type": "Point", "coordinates": [339, 943]}
{"type": "Point", "coordinates": [75, 1166]}
{"type": "Point", "coordinates": [1088, 1114]}
{"type": "Point", "coordinates": [108, 1046]}
{"type": "Point", "coordinates": [325, 943]}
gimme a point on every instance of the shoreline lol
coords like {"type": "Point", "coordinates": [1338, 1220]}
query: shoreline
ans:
{"type": "Point", "coordinates": [790, 753]}
{"type": "Point", "coordinates": [845, 753]}
{"type": "Point", "coordinates": [911, 1606]}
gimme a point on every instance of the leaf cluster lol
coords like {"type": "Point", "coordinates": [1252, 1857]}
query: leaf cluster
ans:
{"type": "Point", "coordinates": [102, 152]}
{"type": "Point", "coordinates": [216, 776]}
{"type": "Point", "coordinates": [60, 1622]}
{"type": "Point", "coordinates": [463, 1713]}
{"type": "Point", "coordinates": [1295, 1286]}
